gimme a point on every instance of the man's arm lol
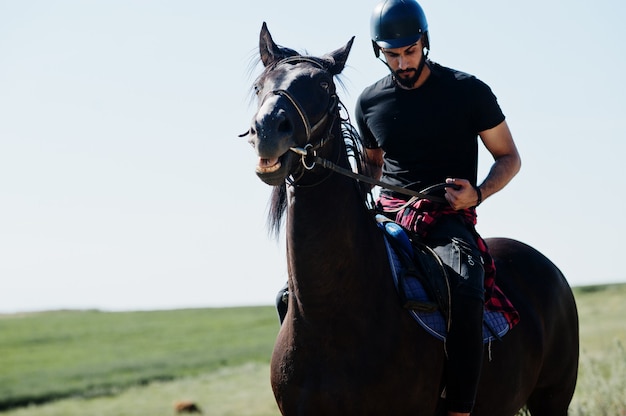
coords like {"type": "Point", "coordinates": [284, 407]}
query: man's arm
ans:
{"type": "Point", "coordinates": [499, 142]}
{"type": "Point", "coordinates": [507, 161]}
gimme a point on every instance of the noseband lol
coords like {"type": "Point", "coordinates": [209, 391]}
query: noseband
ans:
{"type": "Point", "coordinates": [309, 148]}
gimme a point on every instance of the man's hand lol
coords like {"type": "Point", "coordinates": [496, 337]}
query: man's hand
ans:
{"type": "Point", "coordinates": [461, 194]}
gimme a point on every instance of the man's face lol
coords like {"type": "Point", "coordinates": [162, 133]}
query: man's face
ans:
{"type": "Point", "coordinates": [404, 62]}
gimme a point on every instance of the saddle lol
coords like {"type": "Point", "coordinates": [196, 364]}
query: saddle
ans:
{"type": "Point", "coordinates": [423, 286]}
{"type": "Point", "coordinates": [420, 262]}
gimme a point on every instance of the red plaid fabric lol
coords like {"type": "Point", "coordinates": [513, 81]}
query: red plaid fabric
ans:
{"type": "Point", "coordinates": [419, 217]}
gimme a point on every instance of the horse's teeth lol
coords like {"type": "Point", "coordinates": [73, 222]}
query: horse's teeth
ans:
{"type": "Point", "coordinates": [265, 166]}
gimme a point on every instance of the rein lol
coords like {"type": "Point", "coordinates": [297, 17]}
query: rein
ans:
{"type": "Point", "coordinates": [309, 153]}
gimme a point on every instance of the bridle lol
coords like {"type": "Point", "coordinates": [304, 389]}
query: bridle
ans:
{"type": "Point", "coordinates": [310, 149]}
{"type": "Point", "coordinates": [308, 153]}
{"type": "Point", "coordinates": [310, 130]}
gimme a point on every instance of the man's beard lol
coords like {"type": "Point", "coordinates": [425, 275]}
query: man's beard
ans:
{"type": "Point", "coordinates": [407, 82]}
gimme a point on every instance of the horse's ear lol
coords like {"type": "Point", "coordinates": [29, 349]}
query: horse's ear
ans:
{"type": "Point", "coordinates": [269, 50]}
{"type": "Point", "coordinates": [339, 57]}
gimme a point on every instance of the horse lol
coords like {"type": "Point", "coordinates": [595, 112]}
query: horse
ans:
{"type": "Point", "coordinates": [347, 346]}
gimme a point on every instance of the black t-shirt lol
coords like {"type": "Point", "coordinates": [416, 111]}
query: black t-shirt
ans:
{"type": "Point", "coordinates": [431, 132]}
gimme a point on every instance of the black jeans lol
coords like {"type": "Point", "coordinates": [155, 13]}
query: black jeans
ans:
{"type": "Point", "coordinates": [455, 242]}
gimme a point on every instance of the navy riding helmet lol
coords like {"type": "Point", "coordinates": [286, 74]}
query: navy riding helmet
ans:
{"type": "Point", "coordinates": [398, 23]}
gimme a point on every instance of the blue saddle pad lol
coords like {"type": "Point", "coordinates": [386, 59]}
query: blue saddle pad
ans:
{"type": "Point", "coordinates": [495, 324]}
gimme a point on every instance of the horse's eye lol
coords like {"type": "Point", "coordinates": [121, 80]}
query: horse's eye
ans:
{"type": "Point", "coordinates": [257, 89]}
{"type": "Point", "coordinates": [325, 85]}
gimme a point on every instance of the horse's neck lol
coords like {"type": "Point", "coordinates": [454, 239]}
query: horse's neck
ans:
{"type": "Point", "coordinates": [329, 205]}
{"type": "Point", "coordinates": [330, 241]}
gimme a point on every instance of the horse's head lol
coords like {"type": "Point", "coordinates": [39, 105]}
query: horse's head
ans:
{"type": "Point", "coordinates": [297, 106]}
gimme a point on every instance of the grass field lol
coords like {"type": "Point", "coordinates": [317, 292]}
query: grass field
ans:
{"type": "Point", "coordinates": [74, 363]}
{"type": "Point", "coordinates": [51, 355]}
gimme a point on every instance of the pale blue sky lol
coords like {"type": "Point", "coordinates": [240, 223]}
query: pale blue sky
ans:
{"type": "Point", "coordinates": [123, 184]}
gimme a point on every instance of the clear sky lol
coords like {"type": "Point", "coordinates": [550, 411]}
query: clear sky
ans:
{"type": "Point", "coordinates": [123, 184]}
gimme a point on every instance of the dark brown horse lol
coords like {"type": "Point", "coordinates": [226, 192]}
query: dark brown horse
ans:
{"type": "Point", "coordinates": [347, 347]}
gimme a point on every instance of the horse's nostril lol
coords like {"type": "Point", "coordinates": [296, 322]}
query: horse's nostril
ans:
{"type": "Point", "coordinates": [285, 126]}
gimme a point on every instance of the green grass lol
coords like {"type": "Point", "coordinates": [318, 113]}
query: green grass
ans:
{"type": "Point", "coordinates": [602, 373]}
{"type": "Point", "coordinates": [602, 314]}
{"type": "Point", "coordinates": [230, 391]}
{"type": "Point", "coordinates": [51, 355]}
{"type": "Point", "coordinates": [76, 363]}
